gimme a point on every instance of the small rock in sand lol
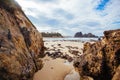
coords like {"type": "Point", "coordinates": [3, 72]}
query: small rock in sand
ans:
{"type": "Point", "coordinates": [51, 67]}
{"type": "Point", "coordinates": [73, 75]}
{"type": "Point", "coordinates": [59, 44]}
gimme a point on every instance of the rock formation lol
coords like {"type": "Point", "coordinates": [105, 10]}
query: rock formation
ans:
{"type": "Point", "coordinates": [101, 60]}
{"type": "Point", "coordinates": [52, 34]}
{"type": "Point", "coordinates": [80, 34]}
{"type": "Point", "coordinates": [21, 44]}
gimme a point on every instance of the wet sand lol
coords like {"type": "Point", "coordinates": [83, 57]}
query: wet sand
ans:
{"type": "Point", "coordinates": [53, 70]}
{"type": "Point", "coordinates": [57, 68]}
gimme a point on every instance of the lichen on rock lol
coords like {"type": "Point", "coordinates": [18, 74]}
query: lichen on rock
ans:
{"type": "Point", "coordinates": [100, 60]}
{"type": "Point", "coordinates": [20, 43]}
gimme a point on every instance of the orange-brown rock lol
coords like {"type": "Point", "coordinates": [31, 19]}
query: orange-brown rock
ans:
{"type": "Point", "coordinates": [117, 74]}
{"type": "Point", "coordinates": [101, 59]}
{"type": "Point", "coordinates": [21, 44]}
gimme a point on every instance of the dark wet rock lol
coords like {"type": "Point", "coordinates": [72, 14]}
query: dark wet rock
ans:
{"type": "Point", "coordinates": [58, 54]}
{"type": "Point", "coordinates": [9, 34]}
{"type": "Point", "coordinates": [59, 44]}
{"type": "Point", "coordinates": [75, 47]}
{"type": "Point", "coordinates": [101, 60]}
{"type": "Point", "coordinates": [52, 45]}
{"type": "Point", "coordinates": [74, 52]}
{"type": "Point", "coordinates": [58, 50]}
{"type": "Point", "coordinates": [46, 48]}
{"type": "Point", "coordinates": [69, 47]}
{"type": "Point", "coordinates": [48, 53]}
{"type": "Point", "coordinates": [86, 78]}
{"type": "Point", "coordinates": [67, 57]}
{"type": "Point", "coordinates": [26, 35]}
{"type": "Point", "coordinates": [70, 59]}
{"type": "Point", "coordinates": [20, 43]}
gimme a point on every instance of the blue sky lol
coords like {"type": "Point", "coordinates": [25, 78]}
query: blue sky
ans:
{"type": "Point", "coordinates": [102, 4]}
{"type": "Point", "coordinates": [71, 16]}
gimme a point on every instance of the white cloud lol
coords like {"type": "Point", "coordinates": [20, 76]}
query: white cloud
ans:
{"type": "Point", "coordinates": [73, 15]}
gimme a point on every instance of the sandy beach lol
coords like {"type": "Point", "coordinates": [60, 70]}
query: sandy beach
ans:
{"type": "Point", "coordinates": [58, 62]}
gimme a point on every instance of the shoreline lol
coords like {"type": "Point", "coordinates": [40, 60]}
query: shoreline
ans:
{"type": "Point", "coordinates": [70, 39]}
{"type": "Point", "coordinates": [59, 58]}
{"type": "Point", "coordinates": [58, 62]}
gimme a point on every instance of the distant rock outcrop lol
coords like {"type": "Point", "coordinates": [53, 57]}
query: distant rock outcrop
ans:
{"type": "Point", "coordinates": [101, 60]}
{"type": "Point", "coordinates": [20, 43]}
{"type": "Point", "coordinates": [52, 34]}
{"type": "Point", "coordinates": [80, 34]}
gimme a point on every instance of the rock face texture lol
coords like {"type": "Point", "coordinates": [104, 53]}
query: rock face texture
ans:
{"type": "Point", "coordinates": [101, 60]}
{"type": "Point", "coordinates": [117, 74]}
{"type": "Point", "coordinates": [21, 44]}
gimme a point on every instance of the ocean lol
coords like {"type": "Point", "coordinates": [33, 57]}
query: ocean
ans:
{"type": "Point", "coordinates": [70, 39]}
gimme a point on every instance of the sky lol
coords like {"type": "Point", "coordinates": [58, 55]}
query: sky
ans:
{"type": "Point", "coordinates": [71, 16]}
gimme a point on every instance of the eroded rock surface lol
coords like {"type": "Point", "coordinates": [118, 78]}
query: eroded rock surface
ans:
{"type": "Point", "coordinates": [21, 44]}
{"type": "Point", "coordinates": [100, 60]}
{"type": "Point", "coordinates": [117, 74]}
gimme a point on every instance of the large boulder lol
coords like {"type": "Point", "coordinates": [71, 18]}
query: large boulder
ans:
{"type": "Point", "coordinates": [100, 60]}
{"type": "Point", "coordinates": [21, 44]}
